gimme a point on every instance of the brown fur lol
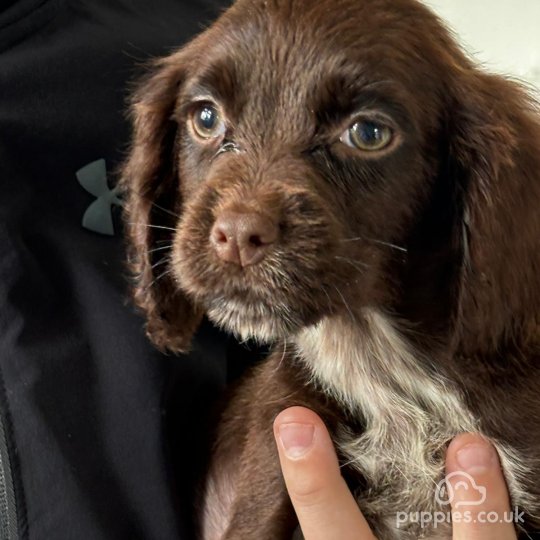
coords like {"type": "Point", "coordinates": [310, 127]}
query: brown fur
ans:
{"type": "Point", "coordinates": [440, 235]}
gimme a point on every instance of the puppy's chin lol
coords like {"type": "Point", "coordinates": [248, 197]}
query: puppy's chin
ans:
{"type": "Point", "coordinates": [254, 320]}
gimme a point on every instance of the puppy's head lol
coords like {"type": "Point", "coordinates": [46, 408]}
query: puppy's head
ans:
{"type": "Point", "coordinates": [303, 159]}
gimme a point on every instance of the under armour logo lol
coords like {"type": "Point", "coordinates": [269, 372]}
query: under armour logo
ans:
{"type": "Point", "coordinates": [98, 216]}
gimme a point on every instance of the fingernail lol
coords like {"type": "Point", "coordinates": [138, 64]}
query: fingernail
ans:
{"type": "Point", "coordinates": [476, 458]}
{"type": "Point", "coordinates": [296, 439]}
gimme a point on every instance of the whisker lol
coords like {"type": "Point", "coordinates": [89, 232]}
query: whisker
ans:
{"type": "Point", "coordinates": [153, 226]}
{"type": "Point", "coordinates": [353, 263]}
{"type": "Point", "coordinates": [161, 261]}
{"type": "Point", "coordinates": [166, 210]}
{"type": "Point", "coordinates": [162, 275]}
{"type": "Point", "coordinates": [389, 244]}
{"type": "Point", "coordinates": [374, 240]}
{"type": "Point", "coordinates": [170, 212]}
{"type": "Point", "coordinates": [356, 238]}
{"type": "Point", "coordinates": [282, 356]}
{"type": "Point", "coordinates": [345, 304]}
{"type": "Point", "coordinates": [323, 288]}
{"type": "Point", "coordinates": [168, 246]}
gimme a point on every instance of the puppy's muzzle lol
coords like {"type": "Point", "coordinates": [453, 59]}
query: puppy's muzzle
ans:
{"type": "Point", "coordinates": [243, 238]}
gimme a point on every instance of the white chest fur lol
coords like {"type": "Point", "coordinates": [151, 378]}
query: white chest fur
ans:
{"type": "Point", "coordinates": [410, 411]}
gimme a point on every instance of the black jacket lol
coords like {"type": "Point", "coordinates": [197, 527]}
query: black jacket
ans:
{"type": "Point", "coordinates": [101, 437]}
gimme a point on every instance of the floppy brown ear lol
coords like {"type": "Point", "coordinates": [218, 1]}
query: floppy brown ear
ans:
{"type": "Point", "coordinates": [495, 151]}
{"type": "Point", "coordinates": [151, 185]}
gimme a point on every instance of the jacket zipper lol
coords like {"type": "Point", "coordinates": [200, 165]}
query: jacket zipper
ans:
{"type": "Point", "coordinates": [9, 529]}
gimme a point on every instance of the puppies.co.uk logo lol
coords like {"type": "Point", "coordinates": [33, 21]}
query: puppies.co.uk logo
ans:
{"type": "Point", "coordinates": [461, 492]}
{"type": "Point", "coordinates": [446, 491]}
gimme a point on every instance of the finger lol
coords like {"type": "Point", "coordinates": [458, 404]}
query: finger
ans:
{"type": "Point", "coordinates": [323, 503]}
{"type": "Point", "coordinates": [480, 502]}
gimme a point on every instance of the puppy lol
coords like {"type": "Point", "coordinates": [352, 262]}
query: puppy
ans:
{"type": "Point", "coordinates": [339, 179]}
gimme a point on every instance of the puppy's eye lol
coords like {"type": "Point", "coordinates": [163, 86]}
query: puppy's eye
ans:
{"type": "Point", "coordinates": [368, 135]}
{"type": "Point", "coordinates": [207, 122]}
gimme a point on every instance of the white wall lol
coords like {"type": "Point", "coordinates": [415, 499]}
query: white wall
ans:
{"type": "Point", "coordinates": [502, 34]}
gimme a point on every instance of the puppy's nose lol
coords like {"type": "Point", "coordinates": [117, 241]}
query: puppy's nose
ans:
{"type": "Point", "coordinates": [242, 238]}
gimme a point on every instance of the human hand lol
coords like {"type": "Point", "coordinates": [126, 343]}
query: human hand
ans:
{"type": "Point", "coordinates": [325, 507]}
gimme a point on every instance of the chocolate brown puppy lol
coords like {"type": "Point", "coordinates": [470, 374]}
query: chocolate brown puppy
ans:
{"type": "Point", "coordinates": [339, 179]}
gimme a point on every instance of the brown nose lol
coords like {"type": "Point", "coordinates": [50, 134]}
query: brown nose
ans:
{"type": "Point", "coordinates": [242, 238]}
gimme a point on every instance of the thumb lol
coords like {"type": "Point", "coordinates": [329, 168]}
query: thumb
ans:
{"type": "Point", "coordinates": [323, 503]}
{"type": "Point", "coordinates": [480, 504]}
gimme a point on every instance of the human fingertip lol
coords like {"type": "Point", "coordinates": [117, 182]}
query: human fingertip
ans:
{"type": "Point", "coordinates": [472, 453]}
{"type": "Point", "coordinates": [477, 458]}
{"type": "Point", "coordinates": [296, 438]}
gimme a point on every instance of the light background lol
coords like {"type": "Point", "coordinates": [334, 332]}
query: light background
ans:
{"type": "Point", "coordinates": [503, 34]}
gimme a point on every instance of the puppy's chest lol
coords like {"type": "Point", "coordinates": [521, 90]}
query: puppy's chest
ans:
{"type": "Point", "coordinates": [409, 413]}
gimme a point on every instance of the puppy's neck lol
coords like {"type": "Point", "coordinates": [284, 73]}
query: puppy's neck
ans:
{"type": "Point", "coordinates": [369, 367]}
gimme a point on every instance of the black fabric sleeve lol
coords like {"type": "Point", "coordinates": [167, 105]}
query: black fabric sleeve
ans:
{"type": "Point", "coordinates": [106, 437]}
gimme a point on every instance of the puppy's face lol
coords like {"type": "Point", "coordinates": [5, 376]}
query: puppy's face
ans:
{"type": "Point", "coordinates": [311, 159]}
{"type": "Point", "coordinates": [302, 154]}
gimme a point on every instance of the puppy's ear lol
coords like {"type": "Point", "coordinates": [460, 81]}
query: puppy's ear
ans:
{"type": "Point", "coordinates": [151, 185]}
{"type": "Point", "coordinates": [495, 160]}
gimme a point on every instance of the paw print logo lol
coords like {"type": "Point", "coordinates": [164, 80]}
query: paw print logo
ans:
{"type": "Point", "coordinates": [446, 491]}
{"type": "Point", "coordinates": [98, 216]}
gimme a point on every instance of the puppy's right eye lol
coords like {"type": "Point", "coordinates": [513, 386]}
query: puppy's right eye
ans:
{"type": "Point", "coordinates": [207, 122]}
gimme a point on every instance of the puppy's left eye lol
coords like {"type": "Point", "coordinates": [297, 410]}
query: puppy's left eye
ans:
{"type": "Point", "coordinates": [368, 135]}
{"type": "Point", "coordinates": [207, 121]}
